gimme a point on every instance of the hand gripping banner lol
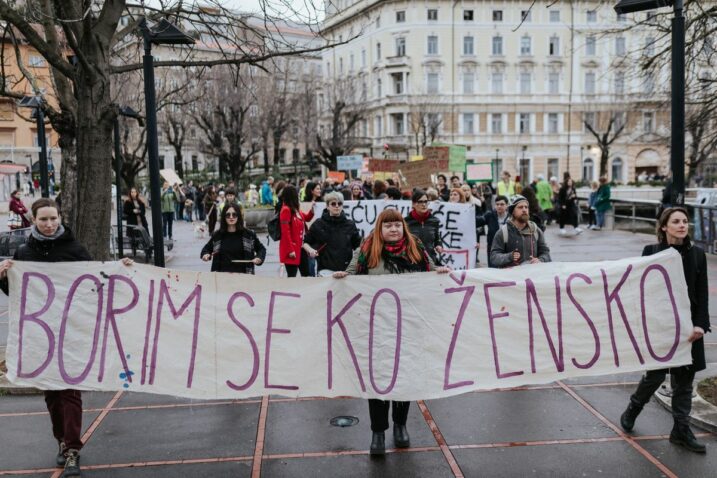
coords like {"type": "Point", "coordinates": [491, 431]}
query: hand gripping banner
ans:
{"type": "Point", "coordinates": [104, 326]}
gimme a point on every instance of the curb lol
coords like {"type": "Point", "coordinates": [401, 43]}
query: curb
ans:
{"type": "Point", "coordinates": [704, 414]}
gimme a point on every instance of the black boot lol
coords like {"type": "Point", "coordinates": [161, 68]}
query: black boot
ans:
{"type": "Point", "coordinates": [378, 443]}
{"type": "Point", "coordinates": [400, 436]}
{"type": "Point", "coordinates": [627, 419]}
{"type": "Point", "coordinates": [72, 464]}
{"type": "Point", "coordinates": [60, 458]}
{"type": "Point", "coordinates": [683, 436]}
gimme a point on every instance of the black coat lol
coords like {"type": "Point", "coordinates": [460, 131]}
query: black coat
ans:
{"type": "Point", "coordinates": [490, 219]}
{"type": "Point", "coordinates": [694, 263]}
{"type": "Point", "coordinates": [242, 244]}
{"type": "Point", "coordinates": [63, 249]}
{"type": "Point", "coordinates": [335, 237]}
{"type": "Point", "coordinates": [429, 232]}
{"type": "Point", "coordinates": [128, 212]}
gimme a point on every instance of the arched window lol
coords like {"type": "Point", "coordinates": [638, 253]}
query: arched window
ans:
{"type": "Point", "coordinates": [588, 169]}
{"type": "Point", "coordinates": [617, 170]}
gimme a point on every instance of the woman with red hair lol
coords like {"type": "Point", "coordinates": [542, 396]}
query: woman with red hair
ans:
{"type": "Point", "coordinates": [389, 249]}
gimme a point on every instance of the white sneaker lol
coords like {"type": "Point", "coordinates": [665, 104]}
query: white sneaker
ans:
{"type": "Point", "coordinates": [596, 228]}
{"type": "Point", "coordinates": [578, 230]}
{"type": "Point", "coordinates": [562, 232]}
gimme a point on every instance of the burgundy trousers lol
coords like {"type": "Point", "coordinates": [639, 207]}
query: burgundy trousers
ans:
{"type": "Point", "coordinates": [65, 407]}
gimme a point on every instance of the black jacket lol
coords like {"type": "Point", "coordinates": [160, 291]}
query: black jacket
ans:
{"type": "Point", "coordinates": [694, 264]}
{"type": "Point", "coordinates": [335, 237]}
{"type": "Point", "coordinates": [63, 249]}
{"type": "Point", "coordinates": [429, 232]}
{"type": "Point", "coordinates": [240, 245]}
{"type": "Point", "coordinates": [128, 212]}
{"type": "Point", "coordinates": [490, 219]}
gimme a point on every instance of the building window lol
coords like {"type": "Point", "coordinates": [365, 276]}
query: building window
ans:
{"type": "Point", "coordinates": [524, 123]}
{"type": "Point", "coordinates": [400, 16]}
{"type": "Point", "coordinates": [341, 65]}
{"type": "Point", "coordinates": [496, 83]}
{"type": "Point", "coordinates": [195, 162]}
{"type": "Point", "coordinates": [497, 15]}
{"type": "Point", "coordinates": [468, 45]}
{"type": "Point", "coordinates": [378, 51]}
{"type": "Point", "coordinates": [554, 46]}
{"type": "Point", "coordinates": [590, 83]}
{"type": "Point", "coordinates": [553, 168]}
{"type": "Point", "coordinates": [619, 121]}
{"type": "Point", "coordinates": [589, 120]}
{"type": "Point", "coordinates": [468, 123]}
{"type": "Point", "coordinates": [468, 82]}
{"type": "Point", "coordinates": [351, 62]}
{"type": "Point", "coordinates": [525, 79]}
{"type": "Point", "coordinates": [620, 46]}
{"type": "Point", "coordinates": [379, 126]}
{"type": "Point", "coordinates": [617, 175]}
{"type": "Point", "coordinates": [648, 120]}
{"type": "Point", "coordinates": [526, 16]}
{"type": "Point", "coordinates": [591, 16]}
{"type": "Point", "coordinates": [649, 83]}
{"type": "Point", "coordinates": [397, 83]}
{"type": "Point", "coordinates": [524, 170]}
{"type": "Point", "coordinates": [525, 45]}
{"type": "Point", "coordinates": [400, 46]}
{"type": "Point", "coordinates": [552, 123]}
{"type": "Point", "coordinates": [397, 123]}
{"type": "Point", "coordinates": [378, 21]}
{"type": "Point", "coordinates": [497, 45]}
{"type": "Point", "coordinates": [432, 14]}
{"type": "Point", "coordinates": [433, 45]}
{"type": "Point", "coordinates": [432, 83]}
{"type": "Point", "coordinates": [650, 16]}
{"type": "Point", "coordinates": [496, 123]}
{"type": "Point", "coordinates": [649, 47]}
{"type": "Point", "coordinates": [378, 87]}
{"type": "Point", "coordinates": [590, 45]}
{"type": "Point", "coordinates": [621, 17]}
{"type": "Point", "coordinates": [468, 15]}
{"type": "Point", "coordinates": [619, 83]}
{"type": "Point", "coordinates": [588, 169]}
{"type": "Point", "coordinates": [554, 16]}
{"type": "Point", "coordinates": [553, 83]}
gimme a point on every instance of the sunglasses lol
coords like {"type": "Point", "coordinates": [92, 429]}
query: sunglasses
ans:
{"type": "Point", "coordinates": [232, 214]}
{"type": "Point", "coordinates": [422, 201]}
{"type": "Point", "coordinates": [334, 203]}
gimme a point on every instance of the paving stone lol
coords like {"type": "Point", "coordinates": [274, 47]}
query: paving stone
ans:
{"type": "Point", "coordinates": [213, 470]}
{"type": "Point", "coordinates": [685, 463]}
{"type": "Point", "coordinates": [36, 403]}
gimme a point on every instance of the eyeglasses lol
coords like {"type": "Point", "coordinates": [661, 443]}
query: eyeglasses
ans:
{"type": "Point", "coordinates": [232, 214]}
{"type": "Point", "coordinates": [334, 204]}
{"type": "Point", "coordinates": [422, 201]}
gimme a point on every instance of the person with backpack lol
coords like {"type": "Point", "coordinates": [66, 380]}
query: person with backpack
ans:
{"type": "Point", "coordinates": [519, 241]}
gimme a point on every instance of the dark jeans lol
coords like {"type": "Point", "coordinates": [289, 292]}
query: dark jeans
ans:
{"type": "Point", "coordinates": [291, 270]}
{"type": "Point", "coordinates": [307, 266]}
{"type": "Point", "coordinates": [567, 216]}
{"type": "Point", "coordinates": [167, 218]}
{"type": "Point", "coordinates": [592, 218]}
{"type": "Point", "coordinates": [378, 411]}
{"type": "Point", "coordinates": [65, 407]}
{"type": "Point", "coordinates": [681, 379]}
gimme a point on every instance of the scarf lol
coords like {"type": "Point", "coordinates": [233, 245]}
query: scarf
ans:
{"type": "Point", "coordinates": [395, 258]}
{"type": "Point", "coordinates": [41, 237]}
{"type": "Point", "coordinates": [420, 217]}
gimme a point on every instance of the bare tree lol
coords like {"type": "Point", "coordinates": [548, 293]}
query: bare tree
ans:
{"type": "Point", "coordinates": [425, 119]}
{"type": "Point", "coordinates": [606, 127]}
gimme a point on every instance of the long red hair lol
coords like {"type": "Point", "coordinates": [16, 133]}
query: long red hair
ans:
{"type": "Point", "coordinates": [373, 246]}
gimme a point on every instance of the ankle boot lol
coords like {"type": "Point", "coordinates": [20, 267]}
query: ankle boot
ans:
{"type": "Point", "coordinates": [60, 458]}
{"type": "Point", "coordinates": [72, 464]}
{"type": "Point", "coordinates": [378, 443]}
{"type": "Point", "coordinates": [400, 436]}
{"type": "Point", "coordinates": [627, 419]}
{"type": "Point", "coordinates": [683, 436]}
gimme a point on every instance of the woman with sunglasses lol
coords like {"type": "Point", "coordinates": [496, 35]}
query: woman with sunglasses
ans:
{"type": "Point", "coordinates": [333, 237]}
{"type": "Point", "coordinates": [233, 248]}
{"type": "Point", "coordinates": [424, 225]}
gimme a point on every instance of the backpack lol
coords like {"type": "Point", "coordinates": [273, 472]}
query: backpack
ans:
{"type": "Point", "coordinates": [274, 228]}
{"type": "Point", "coordinates": [504, 232]}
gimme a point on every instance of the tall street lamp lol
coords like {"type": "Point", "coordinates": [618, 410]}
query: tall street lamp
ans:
{"type": "Point", "coordinates": [677, 140]}
{"type": "Point", "coordinates": [129, 113]}
{"type": "Point", "coordinates": [162, 33]}
{"type": "Point", "coordinates": [35, 102]}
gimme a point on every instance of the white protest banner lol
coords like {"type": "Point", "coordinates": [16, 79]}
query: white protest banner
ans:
{"type": "Point", "coordinates": [104, 326]}
{"type": "Point", "coordinates": [458, 225]}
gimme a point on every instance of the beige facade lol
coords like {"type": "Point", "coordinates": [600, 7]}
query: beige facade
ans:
{"type": "Point", "coordinates": [514, 93]}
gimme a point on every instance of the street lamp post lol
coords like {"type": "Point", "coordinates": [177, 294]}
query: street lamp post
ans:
{"type": "Point", "coordinates": [162, 33]}
{"type": "Point", "coordinates": [129, 113]}
{"type": "Point", "coordinates": [35, 102]}
{"type": "Point", "coordinates": [677, 140]}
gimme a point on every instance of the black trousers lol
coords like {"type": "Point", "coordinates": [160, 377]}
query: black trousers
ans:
{"type": "Point", "coordinates": [378, 411]}
{"type": "Point", "coordinates": [681, 379]}
{"type": "Point", "coordinates": [291, 270]}
{"type": "Point", "coordinates": [65, 407]}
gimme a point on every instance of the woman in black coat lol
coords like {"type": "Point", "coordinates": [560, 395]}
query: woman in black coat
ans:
{"type": "Point", "coordinates": [134, 210]}
{"type": "Point", "coordinates": [424, 225]}
{"type": "Point", "coordinates": [569, 209]}
{"type": "Point", "coordinates": [233, 248]}
{"type": "Point", "coordinates": [672, 230]}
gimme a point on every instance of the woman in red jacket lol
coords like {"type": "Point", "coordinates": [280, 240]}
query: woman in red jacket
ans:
{"type": "Point", "coordinates": [293, 223]}
{"type": "Point", "coordinates": [18, 207]}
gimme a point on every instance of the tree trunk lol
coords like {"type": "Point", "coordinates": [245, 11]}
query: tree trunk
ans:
{"type": "Point", "coordinates": [604, 153]}
{"type": "Point", "coordinates": [68, 172]}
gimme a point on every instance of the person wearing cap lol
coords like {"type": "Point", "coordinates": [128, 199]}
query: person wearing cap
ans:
{"type": "Point", "coordinates": [519, 241]}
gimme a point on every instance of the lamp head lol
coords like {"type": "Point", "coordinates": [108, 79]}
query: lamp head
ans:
{"type": "Point", "coordinates": [631, 6]}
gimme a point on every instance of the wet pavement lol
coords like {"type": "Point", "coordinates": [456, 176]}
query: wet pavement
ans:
{"type": "Point", "coordinates": [564, 429]}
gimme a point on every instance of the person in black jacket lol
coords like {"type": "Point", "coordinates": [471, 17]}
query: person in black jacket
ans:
{"type": "Point", "coordinates": [51, 241]}
{"type": "Point", "coordinates": [494, 219]}
{"type": "Point", "coordinates": [134, 211]}
{"type": "Point", "coordinates": [233, 248]}
{"type": "Point", "coordinates": [333, 237]}
{"type": "Point", "coordinates": [672, 232]}
{"type": "Point", "coordinates": [424, 225]}
{"type": "Point", "coordinates": [569, 207]}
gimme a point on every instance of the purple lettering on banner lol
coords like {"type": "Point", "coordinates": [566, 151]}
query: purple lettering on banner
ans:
{"type": "Point", "coordinates": [456, 329]}
{"type": "Point", "coordinates": [254, 348]}
{"type": "Point", "coordinates": [148, 330]}
{"type": "Point", "coordinates": [491, 318]}
{"type": "Point", "coordinates": [269, 331]}
{"type": "Point", "coordinates": [531, 296]}
{"type": "Point", "coordinates": [585, 315]}
{"type": "Point", "coordinates": [164, 292]}
{"type": "Point", "coordinates": [35, 318]}
{"type": "Point", "coordinates": [397, 353]}
{"type": "Point", "coordinates": [614, 296]}
{"type": "Point", "coordinates": [675, 314]}
{"type": "Point", "coordinates": [110, 316]}
{"type": "Point", "coordinates": [63, 329]}
{"type": "Point", "coordinates": [330, 322]}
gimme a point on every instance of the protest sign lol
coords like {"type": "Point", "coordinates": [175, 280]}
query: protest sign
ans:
{"type": "Point", "coordinates": [105, 326]}
{"type": "Point", "coordinates": [458, 225]}
{"type": "Point", "coordinates": [352, 162]}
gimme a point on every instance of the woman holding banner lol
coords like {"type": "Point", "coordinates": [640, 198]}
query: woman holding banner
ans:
{"type": "Point", "coordinates": [233, 248]}
{"type": "Point", "coordinates": [424, 225]}
{"type": "Point", "coordinates": [390, 249]}
{"type": "Point", "coordinates": [672, 228]}
{"type": "Point", "coordinates": [50, 241]}
{"type": "Point", "coordinates": [293, 223]}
